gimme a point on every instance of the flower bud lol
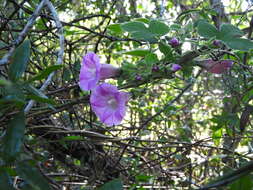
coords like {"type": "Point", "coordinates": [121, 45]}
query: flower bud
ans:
{"type": "Point", "coordinates": [217, 43]}
{"type": "Point", "coordinates": [174, 42]}
{"type": "Point", "coordinates": [155, 68]}
{"type": "Point", "coordinates": [138, 77]}
{"type": "Point", "coordinates": [176, 67]}
{"type": "Point", "coordinates": [108, 71]}
{"type": "Point", "coordinates": [217, 67]}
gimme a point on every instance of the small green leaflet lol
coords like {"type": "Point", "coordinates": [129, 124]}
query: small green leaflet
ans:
{"type": "Point", "coordinates": [14, 136]}
{"type": "Point", "coordinates": [45, 73]}
{"type": "Point", "coordinates": [115, 184]}
{"type": "Point", "coordinates": [19, 61]}
{"type": "Point", "coordinates": [137, 52]}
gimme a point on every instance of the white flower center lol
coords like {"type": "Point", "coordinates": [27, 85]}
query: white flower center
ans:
{"type": "Point", "coordinates": [92, 70]}
{"type": "Point", "coordinates": [112, 103]}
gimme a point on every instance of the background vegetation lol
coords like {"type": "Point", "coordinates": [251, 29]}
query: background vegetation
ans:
{"type": "Point", "coordinates": [189, 129]}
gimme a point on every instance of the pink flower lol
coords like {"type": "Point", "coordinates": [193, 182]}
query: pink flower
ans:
{"type": "Point", "coordinates": [109, 104]}
{"type": "Point", "coordinates": [175, 67]}
{"type": "Point", "coordinates": [218, 67]}
{"type": "Point", "coordinates": [108, 71]}
{"type": "Point", "coordinates": [90, 71]}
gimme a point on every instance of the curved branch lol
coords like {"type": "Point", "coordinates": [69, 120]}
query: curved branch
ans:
{"type": "Point", "coordinates": [60, 53]}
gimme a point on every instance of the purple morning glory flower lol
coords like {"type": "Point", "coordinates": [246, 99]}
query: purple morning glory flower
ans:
{"type": "Point", "coordinates": [174, 42]}
{"type": "Point", "coordinates": [109, 104]}
{"type": "Point", "coordinates": [90, 71]}
{"type": "Point", "coordinates": [176, 67]}
{"type": "Point", "coordinates": [218, 67]}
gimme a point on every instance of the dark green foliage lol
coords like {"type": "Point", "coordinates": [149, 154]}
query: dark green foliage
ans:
{"type": "Point", "coordinates": [5, 180]}
{"type": "Point", "coordinates": [115, 184]}
{"type": "Point", "coordinates": [13, 138]}
{"type": "Point", "coordinates": [29, 173]}
{"type": "Point", "coordinates": [19, 61]}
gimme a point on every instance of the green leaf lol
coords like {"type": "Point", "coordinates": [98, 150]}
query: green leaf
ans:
{"type": "Point", "coordinates": [244, 183]}
{"type": "Point", "coordinates": [230, 177]}
{"type": "Point", "coordinates": [115, 184]}
{"type": "Point", "coordinates": [41, 99]}
{"type": "Point", "coordinates": [175, 27]}
{"type": "Point", "coordinates": [37, 95]}
{"type": "Point", "coordinates": [5, 181]}
{"type": "Point", "coordinates": [13, 95]}
{"type": "Point", "coordinates": [66, 76]}
{"type": "Point", "coordinates": [4, 82]}
{"type": "Point", "coordinates": [239, 44]}
{"type": "Point", "coordinates": [32, 176]}
{"type": "Point", "coordinates": [183, 15]}
{"type": "Point", "coordinates": [137, 52]}
{"type": "Point", "coordinates": [134, 26]}
{"type": "Point", "coordinates": [144, 20]}
{"type": "Point", "coordinates": [158, 28]}
{"type": "Point", "coordinates": [207, 30]}
{"type": "Point", "coordinates": [13, 100]}
{"type": "Point", "coordinates": [229, 31]}
{"type": "Point", "coordinates": [45, 72]}
{"type": "Point", "coordinates": [26, 187]}
{"type": "Point", "coordinates": [139, 31]}
{"type": "Point", "coordinates": [20, 60]}
{"type": "Point", "coordinates": [13, 138]}
{"type": "Point", "coordinates": [216, 136]}
{"type": "Point", "coordinates": [115, 28]}
{"type": "Point", "coordinates": [151, 59]}
{"type": "Point", "coordinates": [143, 178]}
{"type": "Point", "coordinates": [164, 48]}
{"type": "Point", "coordinates": [72, 138]}
{"type": "Point", "coordinates": [144, 35]}
{"type": "Point", "coordinates": [247, 96]}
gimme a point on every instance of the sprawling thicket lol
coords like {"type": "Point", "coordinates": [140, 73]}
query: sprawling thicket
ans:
{"type": "Point", "coordinates": [185, 129]}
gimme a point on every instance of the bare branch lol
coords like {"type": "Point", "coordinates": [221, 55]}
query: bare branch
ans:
{"type": "Point", "coordinates": [60, 53]}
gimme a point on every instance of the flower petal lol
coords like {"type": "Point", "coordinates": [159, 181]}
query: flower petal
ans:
{"type": "Point", "coordinates": [90, 71]}
{"type": "Point", "coordinates": [111, 118]}
{"type": "Point", "coordinates": [91, 60]}
{"type": "Point", "coordinates": [87, 84]}
{"type": "Point", "coordinates": [98, 101]}
{"type": "Point", "coordinates": [106, 89]}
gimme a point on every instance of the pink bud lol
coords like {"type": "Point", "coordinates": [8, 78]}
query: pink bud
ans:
{"type": "Point", "coordinates": [176, 67]}
{"type": "Point", "coordinates": [218, 67]}
{"type": "Point", "coordinates": [108, 71]}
